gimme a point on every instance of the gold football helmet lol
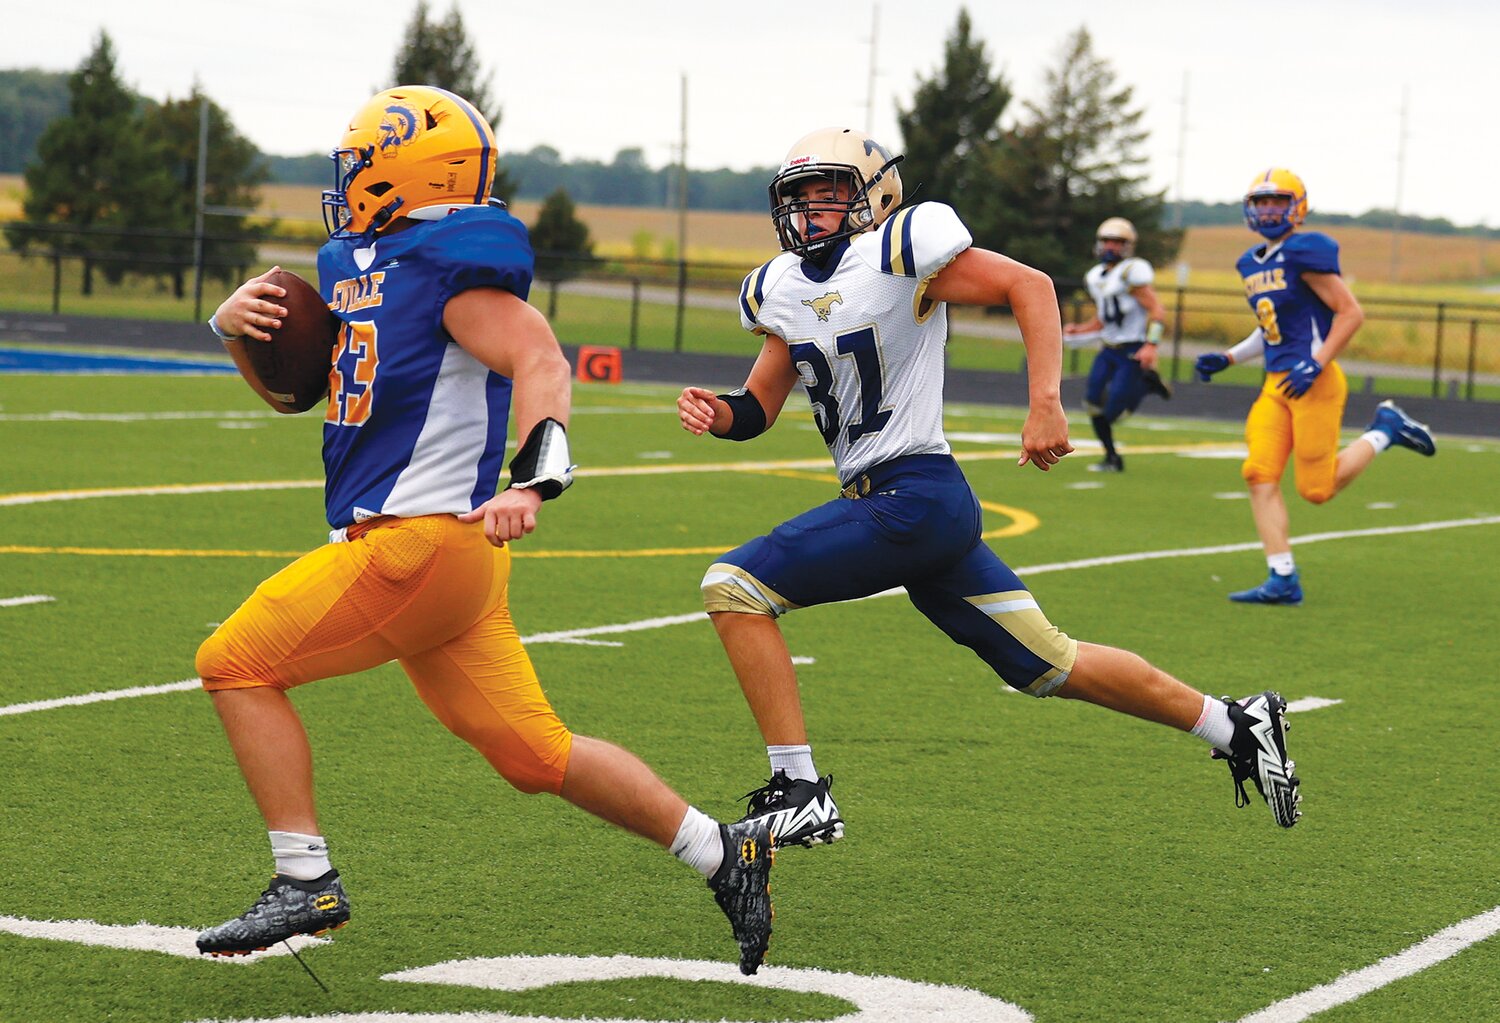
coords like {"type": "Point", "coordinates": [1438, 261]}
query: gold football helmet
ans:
{"type": "Point", "coordinates": [1115, 229]}
{"type": "Point", "coordinates": [407, 149]}
{"type": "Point", "coordinates": [1280, 182]}
{"type": "Point", "coordinates": [870, 192]}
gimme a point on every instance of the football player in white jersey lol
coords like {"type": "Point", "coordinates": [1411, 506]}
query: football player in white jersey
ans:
{"type": "Point", "coordinates": [854, 309]}
{"type": "Point", "coordinates": [1128, 323]}
{"type": "Point", "coordinates": [428, 280]}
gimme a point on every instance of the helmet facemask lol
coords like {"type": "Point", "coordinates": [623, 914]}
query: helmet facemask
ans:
{"type": "Point", "coordinates": [791, 206]}
{"type": "Point", "coordinates": [1271, 224]}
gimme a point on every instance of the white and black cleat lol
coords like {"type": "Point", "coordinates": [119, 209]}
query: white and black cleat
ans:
{"type": "Point", "coordinates": [1257, 753]}
{"type": "Point", "coordinates": [797, 812]}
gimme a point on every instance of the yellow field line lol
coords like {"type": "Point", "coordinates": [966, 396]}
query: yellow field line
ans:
{"type": "Point", "coordinates": [1021, 521]}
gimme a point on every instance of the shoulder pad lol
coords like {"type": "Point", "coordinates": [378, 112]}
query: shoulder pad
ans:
{"type": "Point", "coordinates": [482, 247]}
{"type": "Point", "coordinates": [757, 286]}
{"type": "Point", "coordinates": [1138, 272]}
{"type": "Point", "coordinates": [918, 241]}
{"type": "Point", "coordinates": [1313, 251]}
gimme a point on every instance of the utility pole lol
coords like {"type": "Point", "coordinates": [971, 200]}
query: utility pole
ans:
{"type": "Point", "coordinates": [198, 216]}
{"type": "Point", "coordinates": [1400, 182]}
{"type": "Point", "coordinates": [682, 208]}
{"type": "Point", "coordinates": [1182, 129]}
{"type": "Point", "coordinates": [870, 93]}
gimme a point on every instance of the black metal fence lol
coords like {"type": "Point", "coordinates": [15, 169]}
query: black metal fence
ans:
{"type": "Point", "coordinates": [1456, 344]}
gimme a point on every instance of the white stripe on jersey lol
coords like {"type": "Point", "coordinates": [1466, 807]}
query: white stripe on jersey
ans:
{"type": "Point", "coordinates": [444, 466]}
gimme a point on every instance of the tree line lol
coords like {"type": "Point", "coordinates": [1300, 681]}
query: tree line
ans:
{"type": "Point", "coordinates": [111, 178]}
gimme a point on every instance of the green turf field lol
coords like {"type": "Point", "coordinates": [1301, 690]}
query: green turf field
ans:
{"type": "Point", "coordinates": [1005, 859]}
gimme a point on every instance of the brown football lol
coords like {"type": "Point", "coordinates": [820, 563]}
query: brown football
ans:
{"type": "Point", "coordinates": [290, 371]}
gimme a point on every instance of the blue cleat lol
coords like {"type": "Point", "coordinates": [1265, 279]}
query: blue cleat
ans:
{"type": "Point", "coordinates": [1403, 429]}
{"type": "Point", "coordinates": [1277, 589]}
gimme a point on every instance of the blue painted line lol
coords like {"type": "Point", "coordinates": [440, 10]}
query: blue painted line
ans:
{"type": "Point", "coordinates": [29, 360]}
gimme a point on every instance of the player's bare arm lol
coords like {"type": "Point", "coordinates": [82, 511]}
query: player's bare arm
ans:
{"type": "Point", "coordinates": [771, 379]}
{"type": "Point", "coordinates": [982, 277]}
{"type": "Point", "coordinates": [1156, 315]}
{"type": "Point", "coordinates": [252, 309]}
{"type": "Point", "coordinates": [1347, 314]}
{"type": "Point", "coordinates": [514, 339]}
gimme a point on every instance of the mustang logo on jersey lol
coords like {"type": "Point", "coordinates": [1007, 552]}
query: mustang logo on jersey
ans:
{"type": "Point", "coordinates": [823, 305]}
{"type": "Point", "coordinates": [360, 292]}
{"type": "Point", "coordinates": [1266, 280]}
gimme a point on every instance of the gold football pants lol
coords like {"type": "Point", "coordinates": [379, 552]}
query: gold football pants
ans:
{"type": "Point", "coordinates": [1305, 429]}
{"type": "Point", "coordinates": [429, 592]}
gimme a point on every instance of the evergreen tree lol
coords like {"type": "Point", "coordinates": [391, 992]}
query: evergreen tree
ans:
{"type": "Point", "coordinates": [233, 171]}
{"type": "Point", "coordinates": [1077, 161]}
{"type": "Point", "coordinates": [92, 170]}
{"type": "Point", "coordinates": [29, 101]}
{"type": "Point", "coordinates": [561, 241]}
{"type": "Point", "coordinates": [953, 127]}
{"type": "Point", "coordinates": [439, 53]}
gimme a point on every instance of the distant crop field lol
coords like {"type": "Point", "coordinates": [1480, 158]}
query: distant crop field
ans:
{"type": "Point", "coordinates": [1364, 252]}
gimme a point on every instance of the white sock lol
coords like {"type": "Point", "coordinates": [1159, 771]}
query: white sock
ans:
{"type": "Point", "coordinates": [304, 857]}
{"type": "Point", "coordinates": [1214, 725]}
{"type": "Point", "coordinates": [1281, 564]}
{"type": "Point", "coordinates": [1377, 439]}
{"type": "Point", "coordinates": [796, 761]}
{"type": "Point", "coordinates": [697, 843]}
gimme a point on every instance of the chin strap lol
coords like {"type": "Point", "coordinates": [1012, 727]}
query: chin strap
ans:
{"type": "Point", "coordinates": [543, 463]}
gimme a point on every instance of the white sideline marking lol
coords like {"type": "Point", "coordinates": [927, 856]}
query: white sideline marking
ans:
{"type": "Point", "coordinates": [1443, 945]}
{"type": "Point", "coordinates": [113, 694]}
{"type": "Point", "coordinates": [30, 598]}
{"type": "Point", "coordinates": [141, 937]}
{"type": "Point", "coordinates": [1311, 703]}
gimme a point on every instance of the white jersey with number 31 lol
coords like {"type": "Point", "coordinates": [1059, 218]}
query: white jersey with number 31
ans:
{"type": "Point", "coordinates": [867, 342]}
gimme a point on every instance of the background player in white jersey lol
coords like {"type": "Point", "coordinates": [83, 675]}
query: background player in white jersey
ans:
{"type": "Point", "coordinates": [854, 309]}
{"type": "Point", "coordinates": [428, 280]}
{"type": "Point", "coordinates": [1128, 323]}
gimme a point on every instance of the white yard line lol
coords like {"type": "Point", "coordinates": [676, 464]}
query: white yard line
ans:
{"type": "Point", "coordinates": [1443, 945]}
{"type": "Point", "coordinates": [30, 598]}
{"type": "Point", "coordinates": [105, 697]}
{"type": "Point", "coordinates": [141, 937]}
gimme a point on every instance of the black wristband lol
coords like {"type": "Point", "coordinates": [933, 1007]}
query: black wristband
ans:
{"type": "Point", "coordinates": [749, 416]}
{"type": "Point", "coordinates": [543, 463]}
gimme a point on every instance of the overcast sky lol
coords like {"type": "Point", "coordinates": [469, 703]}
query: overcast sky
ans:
{"type": "Point", "coordinates": [1317, 87]}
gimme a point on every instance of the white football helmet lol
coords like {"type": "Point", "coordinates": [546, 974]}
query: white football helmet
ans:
{"type": "Point", "coordinates": [1115, 229]}
{"type": "Point", "coordinates": [841, 156]}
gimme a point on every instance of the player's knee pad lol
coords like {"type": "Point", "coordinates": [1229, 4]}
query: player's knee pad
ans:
{"type": "Point", "coordinates": [729, 587]}
{"type": "Point", "coordinates": [1255, 471]}
{"type": "Point", "coordinates": [1317, 492]}
{"type": "Point", "coordinates": [218, 666]}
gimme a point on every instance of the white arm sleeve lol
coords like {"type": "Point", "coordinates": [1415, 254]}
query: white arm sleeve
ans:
{"type": "Point", "coordinates": [1253, 347]}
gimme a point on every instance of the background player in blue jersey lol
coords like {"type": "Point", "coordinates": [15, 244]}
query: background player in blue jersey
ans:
{"type": "Point", "coordinates": [1128, 323]}
{"type": "Point", "coordinates": [854, 309]}
{"type": "Point", "coordinates": [428, 280]}
{"type": "Point", "coordinates": [1306, 316]}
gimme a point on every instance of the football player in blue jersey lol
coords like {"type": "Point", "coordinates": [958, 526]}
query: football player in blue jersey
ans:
{"type": "Point", "coordinates": [428, 279]}
{"type": "Point", "coordinates": [855, 310]}
{"type": "Point", "coordinates": [1306, 315]}
{"type": "Point", "coordinates": [1128, 323]}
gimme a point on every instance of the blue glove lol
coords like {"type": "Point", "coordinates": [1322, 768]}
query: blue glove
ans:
{"type": "Point", "coordinates": [1207, 365]}
{"type": "Point", "coordinates": [1301, 377]}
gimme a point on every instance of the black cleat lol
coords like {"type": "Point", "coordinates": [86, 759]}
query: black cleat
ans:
{"type": "Point", "coordinates": [797, 812]}
{"type": "Point", "coordinates": [1258, 753]}
{"type": "Point", "coordinates": [287, 908]}
{"type": "Point", "coordinates": [742, 888]}
{"type": "Point", "coordinates": [1109, 463]}
{"type": "Point", "coordinates": [1156, 385]}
